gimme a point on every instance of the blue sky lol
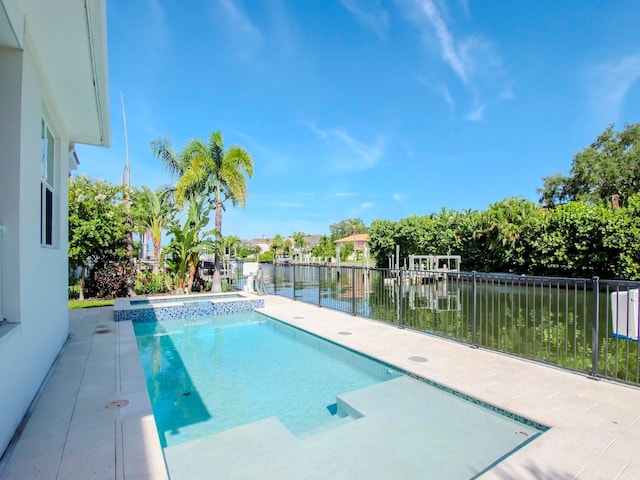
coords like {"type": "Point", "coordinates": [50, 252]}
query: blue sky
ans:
{"type": "Point", "coordinates": [369, 108]}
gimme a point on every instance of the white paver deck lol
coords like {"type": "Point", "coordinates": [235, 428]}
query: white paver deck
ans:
{"type": "Point", "coordinates": [595, 430]}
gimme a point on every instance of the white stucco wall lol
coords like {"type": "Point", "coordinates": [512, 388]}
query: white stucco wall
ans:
{"type": "Point", "coordinates": [34, 286]}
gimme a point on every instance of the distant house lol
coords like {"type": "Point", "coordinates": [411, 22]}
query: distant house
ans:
{"type": "Point", "coordinates": [263, 243]}
{"type": "Point", "coordinates": [359, 241]}
{"type": "Point", "coordinates": [53, 94]}
{"type": "Point", "coordinates": [312, 240]}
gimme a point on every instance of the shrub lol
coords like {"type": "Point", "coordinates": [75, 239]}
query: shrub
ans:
{"type": "Point", "coordinates": [108, 280]}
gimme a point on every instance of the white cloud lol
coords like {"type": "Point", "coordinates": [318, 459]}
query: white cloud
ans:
{"type": "Point", "coordinates": [357, 210]}
{"type": "Point", "coordinates": [446, 95]}
{"type": "Point", "coordinates": [284, 204]}
{"type": "Point", "coordinates": [398, 197]}
{"type": "Point", "coordinates": [474, 60]}
{"type": "Point", "coordinates": [408, 150]}
{"type": "Point", "coordinates": [345, 194]}
{"type": "Point", "coordinates": [370, 14]}
{"type": "Point", "coordinates": [608, 84]}
{"type": "Point", "coordinates": [276, 161]}
{"type": "Point", "coordinates": [440, 88]}
{"type": "Point", "coordinates": [476, 114]}
{"type": "Point", "coordinates": [464, 6]}
{"type": "Point", "coordinates": [447, 43]}
{"type": "Point", "coordinates": [346, 153]}
{"type": "Point", "coordinates": [247, 35]}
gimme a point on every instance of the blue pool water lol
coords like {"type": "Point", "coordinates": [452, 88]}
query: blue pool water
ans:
{"type": "Point", "coordinates": [211, 374]}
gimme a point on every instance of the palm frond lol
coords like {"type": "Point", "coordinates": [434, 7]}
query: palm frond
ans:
{"type": "Point", "coordinates": [163, 151]}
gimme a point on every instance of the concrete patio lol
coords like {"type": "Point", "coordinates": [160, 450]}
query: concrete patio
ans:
{"type": "Point", "coordinates": [70, 434]}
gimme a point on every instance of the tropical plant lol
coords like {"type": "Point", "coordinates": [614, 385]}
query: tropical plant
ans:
{"type": "Point", "coordinates": [501, 229]}
{"type": "Point", "coordinates": [231, 244]}
{"type": "Point", "coordinates": [207, 170]}
{"type": "Point", "coordinates": [277, 245]}
{"type": "Point", "coordinates": [299, 242]}
{"type": "Point", "coordinates": [188, 241]}
{"type": "Point", "coordinates": [153, 211]}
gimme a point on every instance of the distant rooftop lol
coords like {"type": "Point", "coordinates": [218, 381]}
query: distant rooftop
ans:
{"type": "Point", "coordinates": [358, 237]}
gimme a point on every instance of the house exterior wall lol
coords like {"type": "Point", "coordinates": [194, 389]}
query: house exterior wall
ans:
{"type": "Point", "coordinates": [34, 280]}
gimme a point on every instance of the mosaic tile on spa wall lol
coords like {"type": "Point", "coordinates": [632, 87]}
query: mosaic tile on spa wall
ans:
{"type": "Point", "coordinates": [199, 309]}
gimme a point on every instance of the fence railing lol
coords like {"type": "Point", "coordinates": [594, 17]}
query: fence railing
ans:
{"type": "Point", "coordinates": [588, 325]}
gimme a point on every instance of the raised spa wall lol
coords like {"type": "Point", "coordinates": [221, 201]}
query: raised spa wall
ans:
{"type": "Point", "coordinates": [183, 307]}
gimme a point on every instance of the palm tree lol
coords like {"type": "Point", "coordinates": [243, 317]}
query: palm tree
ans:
{"type": "Point", "coordinates": [502, 227]}
{"type": "Point", "coordinates": [153, 212]}
{"type": "Point", "coordinates": [299, 243]}
{"type": "Point", "coordinates": [206, 169]}
{"type": "Point", "coordinates": [277, 244]}
{"type": "Point", "coordinates": [231, 244]}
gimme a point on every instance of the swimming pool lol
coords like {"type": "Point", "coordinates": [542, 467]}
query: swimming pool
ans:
{"type": "Point", "coordinates": [215, 380]}
{"type": "Point", "coordinates": [207, 375]}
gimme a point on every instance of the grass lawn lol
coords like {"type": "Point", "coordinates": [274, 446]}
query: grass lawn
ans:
{"type": "Point", "coordinates": [90, 303]}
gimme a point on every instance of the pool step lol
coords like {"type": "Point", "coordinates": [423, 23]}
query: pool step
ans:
{"type": "Point", "coordinates": [266, 440]}
{"type": "Point", "coordinates": [401, 423]}
{"type": "Point", "coordinates": [335, 421]}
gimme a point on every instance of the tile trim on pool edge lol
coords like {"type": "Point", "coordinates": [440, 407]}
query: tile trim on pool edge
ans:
{"type": "Point", "coordinates": [481, 403]}
{"type": "Point", "coordinates": [153, 314]}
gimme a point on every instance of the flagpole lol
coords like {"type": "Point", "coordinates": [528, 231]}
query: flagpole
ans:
{"type": "Point", "coordinates": [126, 186]}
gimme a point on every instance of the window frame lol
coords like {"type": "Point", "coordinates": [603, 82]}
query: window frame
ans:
{"type": "Point", "coordinates": [47, 186]}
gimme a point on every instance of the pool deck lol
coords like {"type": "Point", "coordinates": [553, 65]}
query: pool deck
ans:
{"type": "Point", "coordinates": [70, 434]}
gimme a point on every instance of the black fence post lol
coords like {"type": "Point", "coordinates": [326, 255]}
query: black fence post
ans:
{"type": "Point", "coordinates": [400, 298]}
{"type": "Point", "coordinates": [319, 286]}
{"type": "Point", "coordinates": [474, 312]}
{"type": "Point", "coordinates": [275, 278]}
{"type": "Point", "coordinates": [595, 327]}
{"type": "Point", "coordinates": [353, 291]}
{"type": "Point", "coordinates": [294, 280]}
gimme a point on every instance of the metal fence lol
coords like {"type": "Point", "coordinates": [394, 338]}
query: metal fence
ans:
{"type": "Point", "coordinates": [588, 325]}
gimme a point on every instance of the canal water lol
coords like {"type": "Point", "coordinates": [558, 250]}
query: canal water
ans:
{"type": "Point", "coordinates": [541, 318]}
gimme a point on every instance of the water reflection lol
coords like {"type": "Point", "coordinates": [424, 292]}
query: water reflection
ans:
{"type": "Point", "coordinates": [175, 400]}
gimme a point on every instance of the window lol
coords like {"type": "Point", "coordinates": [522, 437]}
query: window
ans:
{"type": "Point", "coordinates": [47, 186]}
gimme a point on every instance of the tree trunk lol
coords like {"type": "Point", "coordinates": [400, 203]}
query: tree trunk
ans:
{"type": "Point", "coordinates": [129, 272]}
{"type": "Point", "coordinates": [216, 284]}
{"type": "Point", "coordinates": [167, 287]}
{"type": "Point", "coordinates": [192, 276]}
{"type": "Point", "coordinates": [81, 283]}
{"type": "Point", "coordinates": [219, 216]}
{"type": "Point", "coordinates": [156, 257]}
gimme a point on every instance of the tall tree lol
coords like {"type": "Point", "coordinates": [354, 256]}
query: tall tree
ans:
{"type": "Point", "coordinates": [231, 244]}
{"type": "Point", "coordinates": [606, 172]}
{"type": "Point", "coordinates": [344, 228]}
{"type": "Point", "coordinates": [207, 169]}
{"type": "Point", "coordinates": [277, 244]}
{"type": "Point", "coordinates": [153, 211]}
{"type": "Point", "coordinates": [299, 243]}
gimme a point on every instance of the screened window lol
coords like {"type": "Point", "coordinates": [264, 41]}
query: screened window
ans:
{"type": "Point", "coordinates": [47, 186]}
